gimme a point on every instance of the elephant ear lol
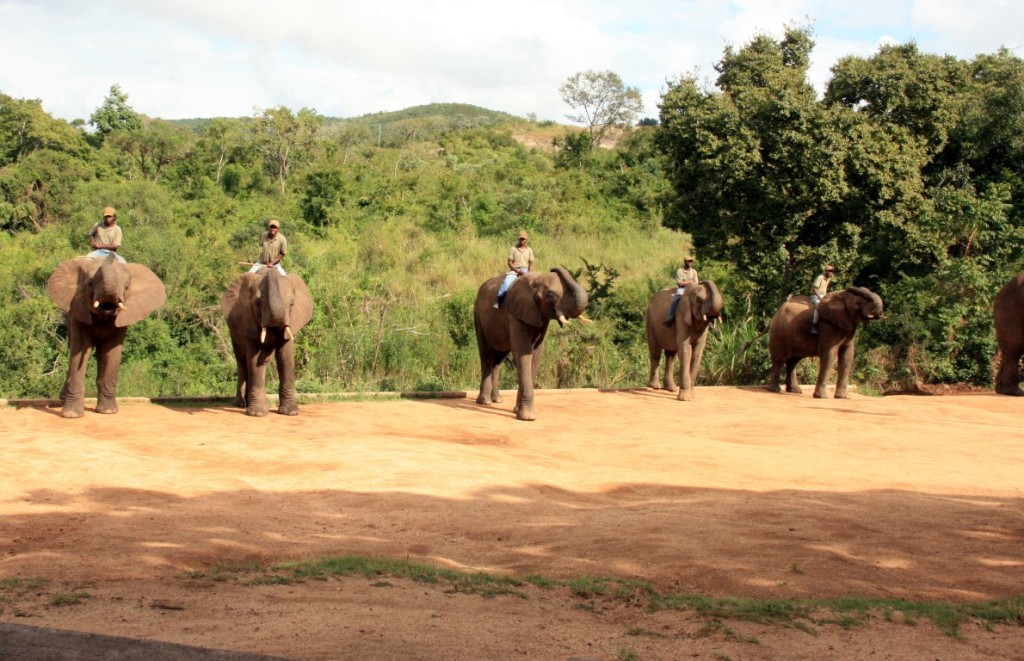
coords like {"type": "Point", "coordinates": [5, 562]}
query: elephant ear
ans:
{"type": "Point", "coordinates": [147, 293]}
{"type": "Point", "coordinates": [837, 309]}
{"type": "Point", "coordinates": [238, 295]}
{"type": "Point", "coordinates": [522, 300]}
{"type": "Point", "coordinates": [70, 278]}
{"type": "Point", "coordinates": [302, 307]}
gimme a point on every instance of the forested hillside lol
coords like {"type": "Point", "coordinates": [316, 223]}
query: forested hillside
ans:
{"type": "Point", "coordinates": [906, 176]}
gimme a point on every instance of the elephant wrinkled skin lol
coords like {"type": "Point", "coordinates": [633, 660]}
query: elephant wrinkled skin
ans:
{"type": "Point", "coordinates": [264, 311]}
{"type": "Point", "coordinates": [101, 298]}
{"type": "Point", "coordinates": [1008, 310]}
{"type": "Point", "coordinates": [699, 306]}
{"type": "Point", "coordinates": [790, 337]}
{"type": "Point", "coordinates": [519, 327]}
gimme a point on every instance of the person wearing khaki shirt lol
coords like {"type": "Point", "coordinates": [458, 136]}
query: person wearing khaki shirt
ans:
{"type": "Point", "coordinates": [520, 262]}
{"type": "Point", "coordinates": [818, 290]}
{"type": "Point", "coordinates": [273, 247]}
{"type": "Point", "coordinates": [105, 237]}
{"type": "Point", "coordinates": [687, 275]}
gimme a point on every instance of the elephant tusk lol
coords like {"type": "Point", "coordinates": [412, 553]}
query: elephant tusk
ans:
{"type": "Point", "coordinates": [584, 319]}
{"type": "Point", "coordinates": [120, 306]}
{"type": "Point", "coordinates": [562, 320]}
{"type": "Point", "coordinates": [95, 304]}
{"type": "Point", "coordinates": [705, 317]}
{"type": "Point", "coordinates": [288, 333]}
{"type": "Point", "coordinates": [263, 334]}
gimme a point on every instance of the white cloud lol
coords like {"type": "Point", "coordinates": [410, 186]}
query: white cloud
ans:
{"type": "Point", "coordinates": [187, 58]}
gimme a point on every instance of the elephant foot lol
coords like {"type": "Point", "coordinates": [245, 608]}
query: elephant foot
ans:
{"type": "Point", "coordinates": [72, 412]}
{"type": "Point", "coordinates": [239, 401]}
{"type": "Point", "coordinates": [842, 395]}
{"type": "Point", "coordinates": [774, 387]}
{"type": "Point", "coordinates": [482, 401]}
{"type": "Point", "coordinates": [685, 395]}
{"type": "Point", "coordinates": [496, 398]}
{"type": "Point", "coordinates": [528, 416]}
{"type": "Point", "coordinates": [1012, 391]}
{"type": "Point", "coordinates": [796, 390]}
{"type": "Point", "coordinates": [256, 412]}
{"type": "Point", "coordinates": [653, 384]}
{"type": "Point", "coordinates": [107, 410]}
{"type": "Point", "coordinates": [288, 409]}
{"type": "Point", "coordinates": [819, 393]}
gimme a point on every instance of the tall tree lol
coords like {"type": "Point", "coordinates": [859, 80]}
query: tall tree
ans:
{"type": "Point", "coordinates": [283, 138]}
{"type": "Point", "coordinates": [600, 100]}
{"type": "Point", "coordinates": [115, 114]}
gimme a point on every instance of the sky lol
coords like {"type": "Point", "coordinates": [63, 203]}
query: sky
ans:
{"type": "Point", "coordinates": [179, 59]}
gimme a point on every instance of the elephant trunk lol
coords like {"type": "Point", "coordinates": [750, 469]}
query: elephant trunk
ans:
{"type": "Point", "coordinates": [574, 296]}
{"type": "Point", "coordinates": [876, 307]}
{"type": "Point", "coordinates": [712, 307]}
{"type": "Point", "coordinates": [108, 289]}
{"type": "Point", "coordinates": [274, 311]}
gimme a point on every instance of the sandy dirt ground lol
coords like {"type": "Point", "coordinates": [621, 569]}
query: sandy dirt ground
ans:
{"type": "Point", "coordinates": [739, 493]}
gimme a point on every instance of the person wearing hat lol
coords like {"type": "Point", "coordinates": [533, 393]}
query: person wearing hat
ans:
{"type": "Point", "coordinates": [818, 290]}
{"type": "Point", "coordinates": [686, 275]}
{"type": "Point", "coordinates": [105, 237]}
{"type": "Point", "coordinates": [520, 262]}
{"type": "Point", "coordinates": [273, 246]}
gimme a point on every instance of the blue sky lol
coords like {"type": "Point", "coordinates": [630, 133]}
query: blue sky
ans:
{"type": "Point", "coordinates": [204, 58]}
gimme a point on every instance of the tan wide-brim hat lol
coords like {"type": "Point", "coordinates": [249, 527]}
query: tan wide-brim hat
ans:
{"type": "Point", "coordinates": [274, 222]}
{"type": "Point", "coordinates": [524, 235]}
{"type": "Point", "coordinates": [109, 211]}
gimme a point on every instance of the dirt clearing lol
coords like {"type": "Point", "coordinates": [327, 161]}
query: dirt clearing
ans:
{"type": "Point", "coordinates": [116, 523]}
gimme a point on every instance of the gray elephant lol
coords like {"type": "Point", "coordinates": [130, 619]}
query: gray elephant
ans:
{"type": "Point", "coordinates": [519, 327]}
{"type": "Point", "coordinates": [700, 305]}
{"type": "Point", "coordinates": [790, 337]}
{"type": "Point", "coordinates": [265, 310]}
{"type": "Point", "coordinates": [1008, 309]}
{"type": "Point", "coordinates": [101, 298]}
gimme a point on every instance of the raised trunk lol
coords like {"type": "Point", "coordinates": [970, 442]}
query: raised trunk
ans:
{"type": "Point", "coordinates": [574, 296]}
{"type": "Point", "coordinates": [712, 307]}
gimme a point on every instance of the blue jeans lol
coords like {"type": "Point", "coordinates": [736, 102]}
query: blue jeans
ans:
{"type": "Point", "coordinates": [510, 277]}
{"type": "Point", "coordinates": [675, 303]}
{"type": "Point", "coordinates": [101, 253]}
{"type": "Point", "coordinates": [257, 266]}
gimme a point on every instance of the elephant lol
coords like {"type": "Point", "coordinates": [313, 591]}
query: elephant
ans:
{"type": "Point", "coordinates": [1008, 309]}
{"type": "Point", "coordinates": [790, 337]}
{"type": "Point", "coordinates": [700, 305]}
{"type": "Point", "coordinates": [264, 311]}
{"type": "Point", "coordinates": [101, 298]}
{"type": "Point", "coordinates": [519, 326]}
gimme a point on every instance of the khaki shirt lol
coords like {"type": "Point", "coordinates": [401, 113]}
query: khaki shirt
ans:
{"type": "Point", "coordinates": [685, 276]}
{"type": "Point", "coordinates": [106, 236]}
{"type": "Point", "coordinates": [520, 258]}
{"type": "Point", "coordinates": [820, 286]}
{"type": "Point", "coordinates": [272, 248]}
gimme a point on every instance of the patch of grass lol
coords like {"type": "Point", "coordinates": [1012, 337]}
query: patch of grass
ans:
{"type": "Point", "coordinates": [798, 613]}
{"type": "Point", "coordinates": [718, 627]}
{"type": "Point", "coordinates": [69, 598]}
{"type": "Point", "coordinates": [640, 631]}
{"type": "Point", "coordinates": [624, 653]}
{"type": "Point", "coordinates": [13, 589]}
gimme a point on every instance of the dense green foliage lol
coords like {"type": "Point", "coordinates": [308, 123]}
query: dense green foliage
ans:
{"type": "Point", "coordinates": [393, 241]}
{"type": "Point", "coordinates": [906, 175]}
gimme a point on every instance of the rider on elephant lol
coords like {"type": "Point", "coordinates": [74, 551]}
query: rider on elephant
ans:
{"type": "Point", "coordinates": [686, 275]}
{"type": "Point", "coordinates": [520, 262]}
{"type": "Point", "coordinates": [105, 237]}
{"type": "Point", "coordinates": [273, 246]}
{"type": "Point", "coordinates": [818, 290]}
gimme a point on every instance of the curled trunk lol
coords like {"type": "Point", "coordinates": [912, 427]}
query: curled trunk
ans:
{"type": "Point", "coordinates": [574, 296]}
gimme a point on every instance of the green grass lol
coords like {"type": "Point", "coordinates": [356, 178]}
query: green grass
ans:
{"type": "Point", "coordinates": [591, 591]}
{"type": "Point", "coordinates": [69, 598]}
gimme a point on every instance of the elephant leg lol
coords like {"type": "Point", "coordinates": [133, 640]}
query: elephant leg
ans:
{"type": "Point", "coordinates": [108, 359]}
{"type": "Point", "coordinates": [490, 379]}
{"type": "Point", "coordinates": [1008, 377]}
{"type": "Point", "coordinates": [791, 382]}
{"type": "Point", "coordinates": [685, 376]}
{"type": "Point", "coordinates": [524, 396]}
{"type": "Point", "coordinates": [670, 370]}
{"type": "Point", "coordinates": [695, 360]}
{"type": "Point", "coordinates": [773, 378]}
{"type": "Point", "coordinates": [843, 375]}
{"type": "Point", "coordinates": [654, 354]}
{"type": "Point", "coordinates": [288, 403]}
{"type": "Point", "coordinates": [73, 392]}
{"type": "Point", "coordinates": [256, 386]}
{"type": "Point", "coordinates": [242, 367]}
{"type": "Point", "coordinates": [826, 361]}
